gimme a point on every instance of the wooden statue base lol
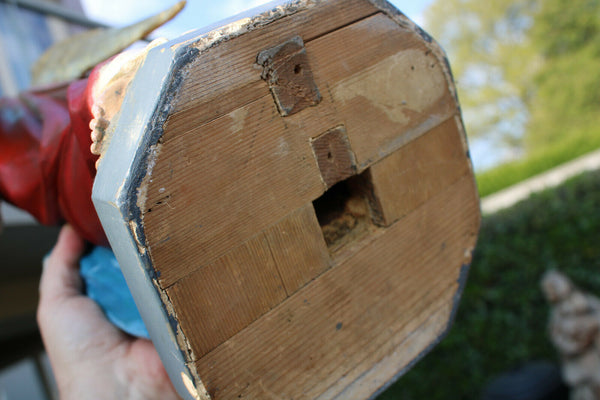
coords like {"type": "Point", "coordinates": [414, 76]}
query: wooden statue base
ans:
{"type": "Point", "coordinates": [292, 201]}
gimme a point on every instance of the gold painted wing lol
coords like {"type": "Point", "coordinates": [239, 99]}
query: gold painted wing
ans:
{"type": "Point", "coordinates": [71, 58]}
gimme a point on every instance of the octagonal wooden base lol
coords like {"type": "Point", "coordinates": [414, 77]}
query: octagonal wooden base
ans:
{"type": "Point", "coordinates": [292, 201]}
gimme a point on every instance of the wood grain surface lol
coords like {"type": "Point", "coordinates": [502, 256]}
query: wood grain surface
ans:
{"type": "Point", "coordinates": [356, 313]}
{"type": "Point", "coordinates": [312, 253]}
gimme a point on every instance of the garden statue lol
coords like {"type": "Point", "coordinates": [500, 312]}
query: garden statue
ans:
{"type": "Point", "coordinates": [575, 332]}
{"type": "Point", "coordinates": [289, 196]}
{"type": "Point", "coordinates": [48, 159]}
{"type": "Point", "coordinates": [46, 167]}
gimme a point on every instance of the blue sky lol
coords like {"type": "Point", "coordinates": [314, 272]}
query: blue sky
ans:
{"type": "Point", "coordinates": [199, 13]}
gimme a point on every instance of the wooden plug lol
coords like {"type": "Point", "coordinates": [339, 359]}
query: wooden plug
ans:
{"type": "Point", "coordinates": [334, 156]}
{"type": "Point", "coordinates": [289, 76]}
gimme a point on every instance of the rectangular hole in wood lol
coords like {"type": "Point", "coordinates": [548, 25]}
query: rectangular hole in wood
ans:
{"type": "Point", "coordinates": [348, 211]}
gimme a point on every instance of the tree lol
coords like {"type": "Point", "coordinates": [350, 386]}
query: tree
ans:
{"type": "Point", "coordinates": [527, 70]}
{"type": "Point", "coordinates": [567, 97]}
{"type": "Point", "coordinates": [493, 63]}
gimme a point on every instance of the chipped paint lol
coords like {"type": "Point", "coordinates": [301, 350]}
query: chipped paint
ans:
{"type": "Point", "coordinates": [134, 227]}
{"type": "Point", "coordinates": [142, 190]}
{"type": "Point", "coordinates": [239, 25]}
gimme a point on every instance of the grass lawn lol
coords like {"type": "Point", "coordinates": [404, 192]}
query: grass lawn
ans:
{"type": "Point", "coordinates": [502, 318]}
{"type": "Point", "coordinates": [547, 157]}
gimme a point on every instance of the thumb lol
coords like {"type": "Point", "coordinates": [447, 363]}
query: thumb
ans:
{"type": "Point", "coordinates": [60, 276]}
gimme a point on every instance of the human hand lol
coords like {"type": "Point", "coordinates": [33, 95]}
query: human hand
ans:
{"type": "Point", "coordinates": [91, 358]}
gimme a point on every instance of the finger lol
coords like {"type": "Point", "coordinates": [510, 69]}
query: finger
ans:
{"type": "Point", "coordinates": [145, 370]}
{"type": "Point", "coordinates": [60, 277]}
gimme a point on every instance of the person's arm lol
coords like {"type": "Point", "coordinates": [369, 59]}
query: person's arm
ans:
{"type": "Point", "coordinates": [91, 358]}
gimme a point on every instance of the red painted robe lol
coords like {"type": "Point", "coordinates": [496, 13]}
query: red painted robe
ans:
{"type": "Point", "coordinates": [46, 167]}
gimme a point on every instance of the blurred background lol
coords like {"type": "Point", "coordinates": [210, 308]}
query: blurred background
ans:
{"type": "Point", "coordinates": [528, 77]}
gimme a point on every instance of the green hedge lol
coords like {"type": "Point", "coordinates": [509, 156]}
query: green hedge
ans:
{"type": "Point", "coordinates": [550, 156]}
{"type": "Point", "coordinates": [502, 318]}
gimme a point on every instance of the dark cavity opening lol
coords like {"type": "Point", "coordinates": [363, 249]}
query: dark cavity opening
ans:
{"type": "Point", "coordinates": [346, 212]}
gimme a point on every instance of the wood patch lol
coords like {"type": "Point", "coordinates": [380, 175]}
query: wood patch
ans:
{"type": "Point", "coordinates": [288, 73]}
{"type": "Point", "coordinates": [298, 248]}
{"type": "Point", "coordinates": [334, 156]}
{"type": "Point", "coordinates": [227, 295]}
{"type": "Point", "coordinates": [355, 313]}
{"type": "Point", "coordinates": [421, 169]}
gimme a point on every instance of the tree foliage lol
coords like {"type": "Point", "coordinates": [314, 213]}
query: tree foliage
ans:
{"type": "Point", "coordinates": [526, 70]}
{"type": "Point", "coordinates": [489, 49]}
{"type": "Point", "coordinates": [567, 97]}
